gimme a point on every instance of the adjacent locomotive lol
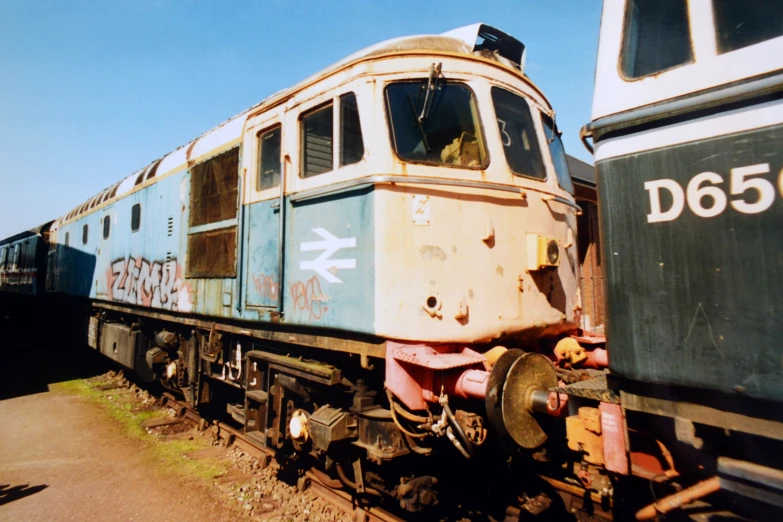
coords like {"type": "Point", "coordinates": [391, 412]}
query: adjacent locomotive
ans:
{"type": "Point", "coordinates": [367, 268]}
{"type": "Point", "coordinates": [23, 269]}
{"type": "Point", "coordinates": [687, 134]}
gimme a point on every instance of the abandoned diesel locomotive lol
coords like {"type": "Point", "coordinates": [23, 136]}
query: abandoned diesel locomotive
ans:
{"type": "Point", "coordinates": [373, 266]}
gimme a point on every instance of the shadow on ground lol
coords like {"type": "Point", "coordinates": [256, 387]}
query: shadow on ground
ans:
{"type": "Point", "coordinates": [35, 353]}
{"type": "Point", "coordinates": [10, 493]}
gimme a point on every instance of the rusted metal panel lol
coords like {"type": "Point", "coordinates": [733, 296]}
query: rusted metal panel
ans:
{"type": "Point", "coordinates": [584, 435]}
{"type": "Point", "coordinates": [459, 287]}
{"type": "Point", "coordinates": [212, 254]}
{"type": "Point", "coordinates": [214, 188]}
{"type": "Point", "coordinates": [613, 428]}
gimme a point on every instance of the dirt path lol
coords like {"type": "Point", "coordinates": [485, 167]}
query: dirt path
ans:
{"type": "Point", "coordinates": [61, 458]}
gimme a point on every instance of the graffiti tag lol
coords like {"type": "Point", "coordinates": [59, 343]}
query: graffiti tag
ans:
{"type": "Point", "coordinates": [308, 297]}
{"type": "Point", "coordinates": [137, 281]}
{"type": "Point", "coordinates": [266, 286]}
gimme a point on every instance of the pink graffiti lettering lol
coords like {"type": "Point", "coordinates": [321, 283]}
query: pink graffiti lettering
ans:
{"type": "Point", "coordinates": [137, 281]}
{"type": "Point", "coordinates": [266, 286]}
{"type": "Point", "coordinates": [308, 296]}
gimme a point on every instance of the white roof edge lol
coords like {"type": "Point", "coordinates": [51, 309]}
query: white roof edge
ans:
{"type": "Point", "coordinates": [464, 37]}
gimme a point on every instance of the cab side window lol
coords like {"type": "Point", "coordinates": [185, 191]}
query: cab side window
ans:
{"type": "Point", "coordinates": [269, 158]}
{"type": "Point", "coordinates": [351, 143]}
{"type": "Point", "coordinates": [318, 136]}
{"type": "Point", "coordinates": [656, 37]}
{"type": "Point", "coordinates": [558, 153]}
{"type": "Point", "coordinates": [740, 23]}
{"type": "Point", "coordinates": [317, 141]}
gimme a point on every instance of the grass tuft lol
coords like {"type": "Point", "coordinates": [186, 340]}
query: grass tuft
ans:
{"type": "Point", "coordinates": [169, 456]}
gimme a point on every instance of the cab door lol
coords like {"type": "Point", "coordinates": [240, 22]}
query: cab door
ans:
{"type": "Point", "coordinates": [264, 214]}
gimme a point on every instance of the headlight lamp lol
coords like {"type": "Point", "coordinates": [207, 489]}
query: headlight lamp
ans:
{"type": "Point", "coordinates": [552, 252]}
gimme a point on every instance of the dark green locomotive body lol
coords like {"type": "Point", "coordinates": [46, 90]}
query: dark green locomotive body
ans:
{"type": "Point", "coordinates": [693, 258]}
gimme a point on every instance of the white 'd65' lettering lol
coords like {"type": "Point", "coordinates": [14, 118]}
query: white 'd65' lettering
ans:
{"type": "Point", "coordinates": [702, 190]}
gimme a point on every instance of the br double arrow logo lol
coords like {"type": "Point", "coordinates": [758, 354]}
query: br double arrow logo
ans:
{"type": "Point", "coordinates": [330, 244]}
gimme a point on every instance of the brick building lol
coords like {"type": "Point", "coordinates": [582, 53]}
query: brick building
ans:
{"type": "Point", "coordinates": [589, 245]}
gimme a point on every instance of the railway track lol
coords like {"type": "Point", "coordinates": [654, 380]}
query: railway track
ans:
{"type": "Point", "coordinates": [333, 490]}
{"type": "Point", "coordinates": [323, 485]}
{"type": "Point", "coordinates": [365, 509]}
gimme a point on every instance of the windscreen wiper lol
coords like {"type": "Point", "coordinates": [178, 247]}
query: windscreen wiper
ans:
{"type": "Point", "coordinates": [430, 94]}
{"type": "Point", "coordinates": [418, 124]}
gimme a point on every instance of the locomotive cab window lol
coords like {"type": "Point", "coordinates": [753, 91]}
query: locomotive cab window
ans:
{"type": "Point", "coordinates": [85, 234]}
{"type": "Point", "coordinates": [136, 217]}
{"type": "Point", "coordinates": [106, 227]}
{"type": "Point", "coordinates": [518, 134]}
{"type": "Point", "coordinates": [318, 136]}
{"type": "Point", "coordinates": [740, 23]}
{"type": "Point", "coordinates": [269, 161]}
{"type": "Point", "coordinates": [317, 141]}
{"type": "Point", "coordinates": [435, 122]}
{"type": "Point", "coordinates": [656, 37]}
{"type": "Point", "coordinates": [351, 142]}
{"type": "Point", "coordinates": [3, 257]}
{"type": "Point", "coordinates": [557, 151]}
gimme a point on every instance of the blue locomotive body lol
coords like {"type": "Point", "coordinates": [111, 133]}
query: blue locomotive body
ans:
{"type": "Point", "coordinates": [133, 251]}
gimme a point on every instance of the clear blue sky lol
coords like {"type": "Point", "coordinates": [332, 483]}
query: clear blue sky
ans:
{"type": "Point", "coordinates": [91, 91]}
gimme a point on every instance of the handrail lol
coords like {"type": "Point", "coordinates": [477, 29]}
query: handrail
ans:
{"type": "Point", "coordinates": [383, 178]}
{"type": "Point", "coordinates": [703, 100]}
{"type": "Point", "coordinates": [564, 201]}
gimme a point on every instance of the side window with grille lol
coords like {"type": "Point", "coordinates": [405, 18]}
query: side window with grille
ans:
{"type": "Point", "coordinates": [212, 236]}
{"type": "Point", "coordinates": [317, 133]}
{"type": "Point", "coordinates": [318, 147]}
{"type": "Point", "coordinates": [85, 234]}
{"type": "Point", "coordinates": [269, 158]}
{"type": "Point", "coordinates": [106, 227]}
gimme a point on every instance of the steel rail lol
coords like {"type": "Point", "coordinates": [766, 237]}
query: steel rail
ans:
{"type": "Point", "coordinates": [315, 479]}
{"type": "Point", "coordinates": [327, 488]}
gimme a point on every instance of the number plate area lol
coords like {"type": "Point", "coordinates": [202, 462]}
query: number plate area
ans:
{"type": "Point", "coordinates": [693, 251]}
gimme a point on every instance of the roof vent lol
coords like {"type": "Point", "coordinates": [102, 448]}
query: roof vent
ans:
{"type": "Point", "coordinates": [485, 38]}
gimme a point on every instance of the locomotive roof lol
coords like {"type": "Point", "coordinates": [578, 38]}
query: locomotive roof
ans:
{"type": "Point", "coordinates": [477, 39]}
{"type": "Point", "coordinates": [37, 231]}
